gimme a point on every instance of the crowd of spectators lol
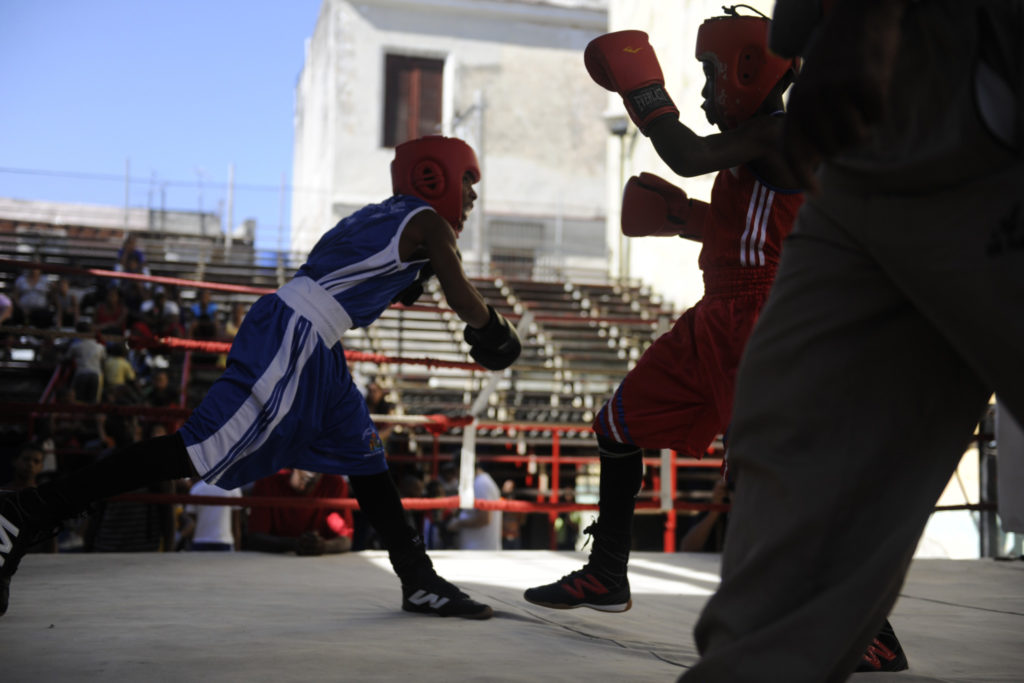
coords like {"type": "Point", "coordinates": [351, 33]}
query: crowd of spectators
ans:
{"type": "Point", "coordinates": [99, 334]}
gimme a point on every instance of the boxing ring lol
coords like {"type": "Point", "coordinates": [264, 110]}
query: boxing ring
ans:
{"type": "Point", "coordinates": [281, 618]}
{"type": "Point", "coordinates": [254, 616]}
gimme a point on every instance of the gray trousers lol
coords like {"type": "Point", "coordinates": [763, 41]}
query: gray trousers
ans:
{"type": "Point", "coordinates": [897, 310]}
{"type": "Point", "coordinates": [859, 390]}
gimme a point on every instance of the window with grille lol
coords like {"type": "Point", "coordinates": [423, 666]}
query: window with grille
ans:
{"type": "Point", "coordinates": [412, 98]}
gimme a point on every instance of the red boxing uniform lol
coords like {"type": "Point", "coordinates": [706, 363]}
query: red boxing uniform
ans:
{"type": "Point", "coordinates": [680, 393]}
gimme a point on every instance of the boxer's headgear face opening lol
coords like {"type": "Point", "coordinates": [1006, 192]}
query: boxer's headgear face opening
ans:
{"type": "Point", "coordinates": [744, 70]}
{"type": "Point", "coordinates": [432, 168]}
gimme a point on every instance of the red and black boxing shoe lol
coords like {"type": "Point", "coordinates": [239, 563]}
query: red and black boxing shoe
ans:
{"type": "Point", "coordinates": [583, 588]}
{"type": "Point", "coordinates": [884, 653]}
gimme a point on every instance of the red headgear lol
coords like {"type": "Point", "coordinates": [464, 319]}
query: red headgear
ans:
{"type": "Point", "coordinates": [431, 168]}
{"type": "Point", "coordinates": [745, 70]}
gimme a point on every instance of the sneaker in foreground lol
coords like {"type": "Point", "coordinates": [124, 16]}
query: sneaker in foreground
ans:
{"type": "Point", "coordinates": [582, 588]}
{"type": "Point", "coordinates": [884, 653]}
{"type": "Point", "coordinates": [17, 534]}
{"type": "Point", "coordinates": [431, 594]}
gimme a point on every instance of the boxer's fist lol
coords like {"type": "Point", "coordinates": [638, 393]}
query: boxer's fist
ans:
{"type": "Point", "coordinates": [495, 345]}
{"type": "Point", "coordinates": [654, 206]}
{"type": "Point", "coordinates": [624, 62]}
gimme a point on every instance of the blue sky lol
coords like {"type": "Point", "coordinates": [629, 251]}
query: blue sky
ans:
{"type": "Point", "coordinates": [180, 89]}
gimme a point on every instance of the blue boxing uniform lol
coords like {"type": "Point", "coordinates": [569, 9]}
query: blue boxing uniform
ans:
{"type": "Point", "coordinates": [287, 398]}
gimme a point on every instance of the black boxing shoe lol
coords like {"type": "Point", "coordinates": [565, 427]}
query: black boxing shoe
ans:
{"type": "Point", "coordinates": [430, 594]}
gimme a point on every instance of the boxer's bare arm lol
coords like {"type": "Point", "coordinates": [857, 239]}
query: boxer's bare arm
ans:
{"type": "Point", "coordinates": [756, 142]}
{"type": "Point", "coordinates": [428, 235]}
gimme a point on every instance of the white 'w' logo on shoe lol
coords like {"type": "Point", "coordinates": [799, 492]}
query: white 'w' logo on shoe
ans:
{"type": "Point", "coordinates": [421, 596]}
{"type": "Point", "coordinates": [7, 532]}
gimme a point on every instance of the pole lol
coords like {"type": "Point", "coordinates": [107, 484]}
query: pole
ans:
{"type": "Point", "coordinates": [988, 524]}
{"type": "Point", "coordinates": [127, 188]}
{"type": "Point", "coordinates": [668, 497]}
{"type": "Point", "coordinates": [280, 219]}
{"type": "Point", "coordinates": [481, 214]}
{"type": "Point", "coordinates": [202, 216]}
{"type": "Point", "coordinates": [230, 208]}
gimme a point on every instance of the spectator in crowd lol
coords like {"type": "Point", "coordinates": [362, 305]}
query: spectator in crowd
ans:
{"type": "Point", "coordinates": [378, 404]}
{"type": "Point", "coordinates": [27, 465]}
{"type": "Point", "coordinates": [121, 526]}
{"type": "Point", "coordinates": [6, 311]}
{"type": "Point", "coordinates": [448, 476]}
{"type": "Point", "coordinates": [212, 527]}
{"type": "Point", "coordinates": [511, 522]}
{"type": "Point", "coordinates": [567, 524]}
{"type": "Point", "coordinates": [42, 427]}
{"type": "Point", "coordinates": [302, 530]}
{"type": "Point", "coordinates": [70, 431]}
{"type": "Point", "coordinates": [204, 323]}
{"type": "Point", "coordinates": [478, 529]}
{"type": "Point", "coordinates": [134, 291]}
{"type": "Point", "coordinates": [111, 314]}
{"type": "Point", "coordinates": [131, 250]}
{"type": "Point", "coordinates": [169, 325]}
{"type": "Point", "coordinates": [88, 355]}
{"type": "Point", "coordinates": [205, 315]}
{"type": "Point", "coordinates": [230, 329]}
{"type": "Point", "coordinates": [6, 308]}
{"type": "Point", "coordinates": [435, 522]}
{"type": "Point", "coordinates": [160, 392]}
{"type": "Point", "coordinates": [65, 303]}
{"type": "Point", "coordinates": [231, 325]}
{"type": "Point", "coordinates": [160, 305]}
{"type": "Point", "coordinates": [31, 296]}
{"type": "Point", "coordinates": [158, 317]}
{"type": "Point", "coordinates": [118, 374]}
{"type": "Point", "coordinates": [707, 533]}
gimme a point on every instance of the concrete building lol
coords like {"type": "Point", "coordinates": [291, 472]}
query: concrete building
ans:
{"type": "Point", "coordinates": [45, 216]}
{"type": "Point", "coordinates": [505, 75]}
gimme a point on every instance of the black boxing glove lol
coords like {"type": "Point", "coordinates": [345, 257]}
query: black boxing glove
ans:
{"type": "Point", "coordinates": [409, 295]}
{"type": "Point", "coordinates": [495, 345]}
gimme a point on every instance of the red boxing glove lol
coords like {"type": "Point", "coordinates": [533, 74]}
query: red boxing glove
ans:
{"type": "Point", "coordinates": [624, 62]}
{"type": "Point", "coordinates": [653, 206]}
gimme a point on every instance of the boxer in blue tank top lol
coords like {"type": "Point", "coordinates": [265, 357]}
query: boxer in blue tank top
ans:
{"type": "Point", "coordinates": [287, 398]}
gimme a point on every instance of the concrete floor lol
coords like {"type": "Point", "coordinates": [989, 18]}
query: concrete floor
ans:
{"type": "Point", "coordinates": [254, 617]}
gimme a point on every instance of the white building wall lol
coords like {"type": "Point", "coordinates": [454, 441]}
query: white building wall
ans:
{"type": "Point", "coordinates": [312, 171]}
{"type": "Point", "coordinates": [515, 88]}
{"type": "Point", "coordinates": [668, 264]}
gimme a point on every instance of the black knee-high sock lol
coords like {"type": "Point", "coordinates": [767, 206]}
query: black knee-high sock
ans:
{"type": "Point", "coordinates": [621, 478]}
{"type": "Point", "coordinates": [622, 471]}
{"type": "Point", "coordinates": [622, 474]}
{"type": "Point", "coordinates": [126, 469]}
{"type": "Point", "coordinates": [381, 503]}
